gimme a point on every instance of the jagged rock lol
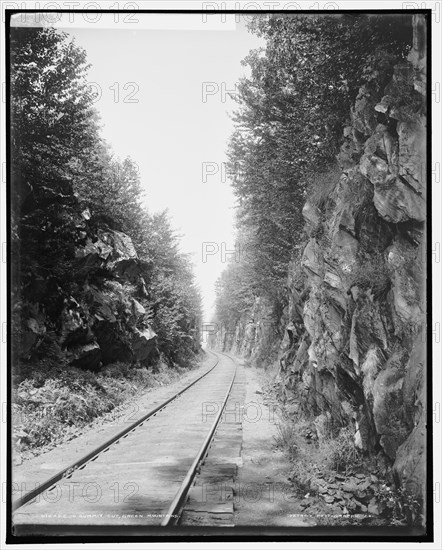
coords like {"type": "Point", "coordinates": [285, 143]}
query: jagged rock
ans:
{"type": "Point", "coordinates": [376, 169]}
{"type": "Point", "coordinates": [138, 310]}
{"type": "Point", "coordinates": [353, 344]}
{"type": "Point", "coordinates": [143, 344]}
{"type": "Point", "coordinates": [364, 485]}
{"type": "Point", "coordinates": [384, 105]}
{"type": "Point", "coordinates": [93, 254]}
{"type": "Point", "coordinates": [74, 326]}
{"type": "Point", "coordinates": [352, 191]}
{"type": "Point", "coordinates": [102, 305]}
{"type": "Point", "coordinates": [333, 279]}
{"type": "Point", "coordinates": [86, 214]}
{"type": "Point", "coordinates": [344, 250]}
{"type": "Point", "coordinates": [388, 162]}
{"type": "Point", "coordinates": [33, 331]}
{"type": "Point", "coordinates": [414, 383]}
{"type": "Point", "coordinates": [124, 259]}
{"type": "Point", "coordinates": [351, 505]}
{"type": "Point", "coordinates": [398, 202]}
{"type": "Point", "coordinates": [387, 405]}
{"type": "Point", "coordinates": [312, 260]}
{"type": "Point", "coordinates": [312, 215]}
{"type": "Point", "coordinates": [114, 251]}
{"type": "Point", "coordinates": [344, 351]}
{"type": "Point", "coordinates": [406, 286]}
{"type": "Point", "coordinates": [350, 487]}
{"type": "Point", "coordinates": [113, 342]}
{"type": "Point", "coordinates": [86, 357]}
{"type": "Point", "coordinates": [412, 154]}
{"type": "Point", "coordinates": [301, 355]}
{"type": "Point", "coordinates": [369, 328]}
{"type": "Point", "coordinates": [410, 465]}
{"type": "Point", "coordinates": [363, 114]}
{"type": "Point", "coordinates": [364, 425]}
{"type": "Point", "coordinates": [381, 155]}
{"type": "Point", "coordinates": [349, 153]}
{"type": "Point", "coordinates": [373, 232]}
{"type": "Point", "coordinates": [370, 368]}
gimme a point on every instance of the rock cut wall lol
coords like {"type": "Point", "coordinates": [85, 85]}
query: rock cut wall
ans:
{"type": "Point", "coordinates": [352, 338]}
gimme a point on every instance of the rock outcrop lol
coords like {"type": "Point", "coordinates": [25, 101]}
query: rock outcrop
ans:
{"type": "Point", "coordinates": [98, 317]}
{"type": "Point", "coordinates": [351, 338]}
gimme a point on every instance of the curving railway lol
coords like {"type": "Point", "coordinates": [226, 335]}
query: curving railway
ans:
{"type": "Point", "coordinates": [142, 476]}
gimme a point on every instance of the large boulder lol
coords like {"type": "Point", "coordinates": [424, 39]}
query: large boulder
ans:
{"type": "Point", "coordinates": [74, 323]}
{"type": "Point", "coordinates": [406, 276]}
{"type": "Point", "coordinates": [410, 465]}
{"type": "Point", "coordinates": [33, 330]}
{"type": "Point", "coordinates": [388, 405]}
{"type": "Point", "coordinates": [363, 114]}
{"type": "Point", "coordinates": [344, 250]}
{"type": "Point", "coordinates": [112, 250]}
{"type": "Point", "coordinates": [412, 154]}
{"type": "Point", "coordinates": [312, 216]}
{"type": "Point", "coordinates": [387, 162]}
{"type": "Point", "coordinates": [93, 254]}
{"type": "Point", "coordinates": [415, 382]}
{"type": "Point", "coordinates": [87, 356]}
{"type": "Point", "coordinates": [143, 344]}
{"type": "Point", "coordinates": [312, 260]}
{"type": "Point", "coordinates": [114, 342]}
{"type": "Point", "coordinates": [398, 202]}
{"type": "Point", "coordinates": [124, 259]}
{"type": "Point", "coordinates": [138, 310]}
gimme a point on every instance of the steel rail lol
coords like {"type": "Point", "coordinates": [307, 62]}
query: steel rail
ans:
{"type": "Point", "coordinates": [66, 472]}
{"type": "Point", "coordinates": [173, 513]}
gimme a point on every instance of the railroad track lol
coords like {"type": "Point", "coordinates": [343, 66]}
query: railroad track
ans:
{"type": "Point", "coordinates": [142, 475]}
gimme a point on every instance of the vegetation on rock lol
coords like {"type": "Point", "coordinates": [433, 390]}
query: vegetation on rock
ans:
{"type": "Point", "coordinates": [331, 198]}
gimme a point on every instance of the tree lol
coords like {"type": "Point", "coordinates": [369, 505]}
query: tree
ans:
{"type": "Point", "coordinates": [53, 119]}
{"type": "Point", "coordinates": [60, 166]}
{"type": "Point", "coordinates": [174, 299]}
{"type": "Point", "coordinates": [288, 126]}
{"type": "Point", "coordinates": [53, 125]}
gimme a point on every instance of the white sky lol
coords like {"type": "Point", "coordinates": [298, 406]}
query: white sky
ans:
{"type": "Point", "coordinates": [170, 132]}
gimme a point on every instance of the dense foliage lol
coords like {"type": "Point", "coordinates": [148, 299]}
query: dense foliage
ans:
{"type": "Point", "coordinates": [60, 166]}
{"type": "Point", "coordinates": [288, 126]}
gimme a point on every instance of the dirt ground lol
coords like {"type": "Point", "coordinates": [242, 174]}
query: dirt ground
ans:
{"type": "Point", "coordinates": [263, 494]}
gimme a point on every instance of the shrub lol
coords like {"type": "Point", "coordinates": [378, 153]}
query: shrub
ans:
{"type": "Point", "coordinates": [399, 506]}
{"type": "Point", "coordinates": [287, 438]}
{"type": "Point", "coordinates": [340, 452]}
{"type": "Point", "coordinates": [55, 405]}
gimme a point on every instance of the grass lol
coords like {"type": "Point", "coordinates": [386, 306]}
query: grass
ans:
{"type": "Point", "coordinates": [316, 457]}
{"type": "Point", "coordinates": [321, 185]}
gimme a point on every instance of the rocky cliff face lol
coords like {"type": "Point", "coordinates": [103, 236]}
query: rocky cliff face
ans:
{"type": "Point", "coordinates": [95, 316]}
{"type": "Point", "coordinates": [351, 340]}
